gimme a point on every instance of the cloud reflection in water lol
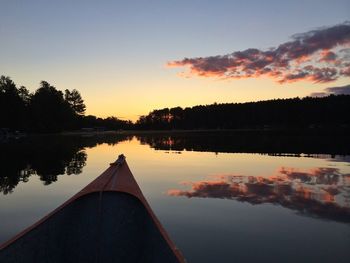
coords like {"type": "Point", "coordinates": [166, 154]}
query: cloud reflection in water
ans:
{"type": "Point", "coordinates": [319, 192]}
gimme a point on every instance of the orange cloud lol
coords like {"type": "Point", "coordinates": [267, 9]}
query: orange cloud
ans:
{"type": "Point", "coordinates": [311, 56]}
{"type": "Point", "coordinates": [328, 56]}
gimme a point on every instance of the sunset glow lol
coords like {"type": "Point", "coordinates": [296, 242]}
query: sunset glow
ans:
{"type": "Point", "coordinates": [116, 54]}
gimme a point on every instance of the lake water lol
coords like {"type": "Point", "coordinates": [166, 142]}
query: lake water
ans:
{"type": "Point", "coordinates": [222, 197]}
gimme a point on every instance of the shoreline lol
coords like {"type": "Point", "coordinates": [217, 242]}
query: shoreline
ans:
{"type": "Point", "coordinates": [343, 131]}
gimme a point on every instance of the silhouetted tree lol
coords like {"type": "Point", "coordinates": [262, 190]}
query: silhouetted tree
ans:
{"type": "Point", "coordinates": [12, 107]}
{"type": "Point", "coordinates": [25, 95]}
{"type": "Point", "coordinates": [50, 112]}
{"type": "Point", "coordinates": [75, 101]}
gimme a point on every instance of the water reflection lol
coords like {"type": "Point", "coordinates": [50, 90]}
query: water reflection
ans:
{"type": "Point", "coordinates": [319, 192]}
{"type": "Point", "coordinates": [46, 156]}
{"type": "Point", "coordinates": [51, 156]}
{"type": "Point", "coordinates": [273, 143]}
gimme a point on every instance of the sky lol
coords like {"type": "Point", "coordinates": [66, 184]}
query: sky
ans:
{"type": "Point", "coordinates": [128, 57]}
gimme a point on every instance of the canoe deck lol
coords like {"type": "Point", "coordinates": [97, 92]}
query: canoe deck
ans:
{"type": "Point", "coordinates": [108, 221]}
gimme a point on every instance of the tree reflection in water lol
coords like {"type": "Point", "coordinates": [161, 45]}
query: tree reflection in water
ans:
{"type": "Point", "coordinates": [45, 156]}
{"type": "Point", "coordinates": [275, 143]}
{"type": "Point", "coordinates": [319, 192]}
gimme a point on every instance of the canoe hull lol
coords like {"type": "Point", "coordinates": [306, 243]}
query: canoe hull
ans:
{"type": "Point", "coordinates": [114, 227]}
{"type": "Point", "coordinates": [108, 221]}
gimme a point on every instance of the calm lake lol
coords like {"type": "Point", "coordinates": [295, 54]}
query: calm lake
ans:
{"type": "Point", "coordinates": [222, 196]}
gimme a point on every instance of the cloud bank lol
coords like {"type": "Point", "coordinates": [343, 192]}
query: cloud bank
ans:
{"type": "Point", "coordinates": [319, 56]}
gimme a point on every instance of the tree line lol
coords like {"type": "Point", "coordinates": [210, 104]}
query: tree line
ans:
{"type": "Point", "coordinates": [51, 110]}
{"type": "Point", "coordinates": [47, 109]}
{"type": "Point", "coordinates": [308, 112]}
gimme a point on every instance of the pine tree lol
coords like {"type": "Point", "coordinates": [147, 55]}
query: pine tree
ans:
{"type": "Point", "coordinates": [75, 101]}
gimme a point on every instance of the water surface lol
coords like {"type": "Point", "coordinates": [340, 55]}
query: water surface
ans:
{"type": "Point", "coordinates": [221, 197]}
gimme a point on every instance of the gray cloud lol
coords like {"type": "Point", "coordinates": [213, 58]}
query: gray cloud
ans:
{"type": "Point", "coordinates": [332, 91]}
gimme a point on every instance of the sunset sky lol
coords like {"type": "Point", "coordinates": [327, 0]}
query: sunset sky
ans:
{"type": "Point", "coordinates": [128, 57]}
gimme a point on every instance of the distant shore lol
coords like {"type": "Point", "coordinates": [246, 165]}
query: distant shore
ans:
{"type": "Point", "coordinates": [313, 131]}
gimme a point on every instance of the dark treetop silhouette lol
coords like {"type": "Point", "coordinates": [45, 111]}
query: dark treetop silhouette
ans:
{"type": "Point", "coordinates": [326, 112]}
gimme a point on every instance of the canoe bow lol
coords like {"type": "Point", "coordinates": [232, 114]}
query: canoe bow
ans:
{"type": "Point", "coordinates": [116, 179]}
